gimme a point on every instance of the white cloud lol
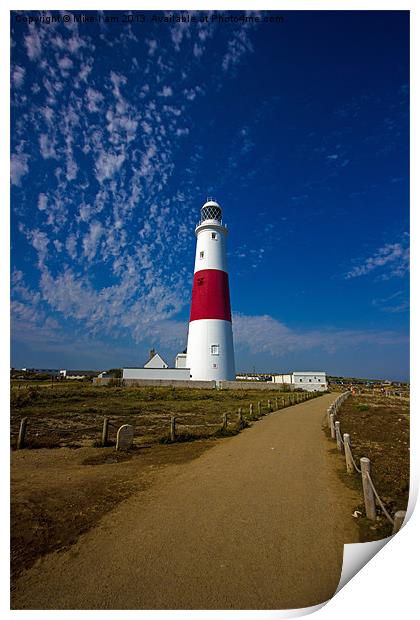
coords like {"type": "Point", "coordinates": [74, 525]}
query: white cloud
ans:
{"type": "Point", "coordinates": [395, 303]}
{"type": "Point", "coordinates": [117, 80]}
{"type": "Point", "coordinates": [108, 164]}
{"type": "Point", "coordinates": [71, 245]}
{"type": "Point", "coordinates": [264, 334]}
{"type": "Point", "coordinates": [238, 46]}
{"type": "Point", "coordinates": [18, 167]}
{"type": "Point", "coordinates": [42, 202]}
{"type": "Point", "coordinates": [198, 50]}
{"type": "Point", "coordinates": [47, 146]}
{"type": "Point", "coordinates": [152, 46]}
{"type": "Point", "coordinates": [189, 94]}
{"type": "Point", "coordinates": [48, 114]}
{"type": "Point", "coordinates": [40, 242]}
{"type": "Point", "coordinates": [180, 31]}
{"type": "Point", "coordinates": [394, 256]}
{"type": "Point", "coordinates": [91, 240]}
{"type": "Point", "coordinates": [65, 63]}
{"type": "Point", "coordinates": [166, 92]}
{"type": "Point", "coordinates": [18, 76]}
{"type": "Point", "coordinates": [33, 43]}
{"type": "Point", "coordinates": [94, 98]}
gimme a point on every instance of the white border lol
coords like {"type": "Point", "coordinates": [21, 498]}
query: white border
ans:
{"type": "Point", "coordinates": [387, 586]}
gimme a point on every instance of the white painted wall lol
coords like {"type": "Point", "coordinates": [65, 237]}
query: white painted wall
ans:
{"type": "Point", "coordinates": [156, 373]}
{"type": "Point", "coordinates": [287, 378]}
{"type": "Point", "coordinates": [202, 334]}
{"type": "Point", "coordinates": [309, 381]}
{"type": "Point", "coordinates": [181, 360]}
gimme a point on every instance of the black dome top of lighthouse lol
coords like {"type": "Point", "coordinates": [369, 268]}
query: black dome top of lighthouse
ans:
{"type": "Point", "coordinates": [211, 210]}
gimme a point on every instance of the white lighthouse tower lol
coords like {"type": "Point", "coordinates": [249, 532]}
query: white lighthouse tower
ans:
{"type": "Point", "coordinates": [210, 355]}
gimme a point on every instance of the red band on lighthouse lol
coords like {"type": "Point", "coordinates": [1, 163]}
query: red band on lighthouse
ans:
{"type": "Point", "coordinates": [210, 296]}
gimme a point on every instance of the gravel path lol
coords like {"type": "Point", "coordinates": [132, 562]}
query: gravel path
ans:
{"type": "Point", "coordinates": [257, 522]}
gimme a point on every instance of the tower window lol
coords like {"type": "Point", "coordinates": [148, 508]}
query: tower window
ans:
{"type": "Point", "coordinates": [213, 236]}
{"type": "Point", "coordinates": [215, 349]}
{"type": "Point", "coordinates": [200, 281]}
{"type": "Point", "coordinates": [201, 254]}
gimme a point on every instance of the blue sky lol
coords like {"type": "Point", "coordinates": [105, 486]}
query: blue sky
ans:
{"type": "Point", "coordinates": [299, 129]}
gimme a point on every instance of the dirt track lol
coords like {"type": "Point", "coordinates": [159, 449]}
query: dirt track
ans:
{"type": "Point", "coordinates": [257, 522]}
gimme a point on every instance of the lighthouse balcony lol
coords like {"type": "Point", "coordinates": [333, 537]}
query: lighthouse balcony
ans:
{"type": "Point", "coordinates": [211, 222]}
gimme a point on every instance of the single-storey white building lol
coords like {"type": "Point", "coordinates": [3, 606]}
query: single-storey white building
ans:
{"type": "Point", "coordinates": [157, 368]}
{"type": "Point", "coordinates": [305, 380]}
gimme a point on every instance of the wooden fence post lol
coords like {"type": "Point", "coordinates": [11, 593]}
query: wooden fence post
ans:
{"type": "Point", "coordinates": [173, 428]}
{"type": "Point", "coordinates": [251, 410]}
{"type": "Point", "coordinates": [398, 520]}
{"type": "Point", "coordinates": [240, 416]}
{"type": "Point", "coordinates": [338, 435]}
{"type": "Point", "coordinates": [347, 452]}
{"type": "Point", "coordinates": [105, 432]}
{"type": "Point", "coordinates": [332, 427]}
{"type": "Point", "coordinates": [283, 402]}
{"type": "Point", "coordinates": [225, 422]}
{"type": "Point", "coordinates": [269, 406]}
{"type": "Point", "coordinates": [277, 403]}
{"type": "Point", "coordinates": [259, 407]}
{"type": "Point", "coordinates": [367, 489]}
{"type": "Point", "coordinates": [22, 433]}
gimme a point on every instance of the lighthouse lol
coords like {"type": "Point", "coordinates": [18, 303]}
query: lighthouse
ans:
{"type": "Point", "coordinates": [210, 355]}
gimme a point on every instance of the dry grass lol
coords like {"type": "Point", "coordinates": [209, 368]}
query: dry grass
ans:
{"type": "Point", "coordinates": [72, 414]}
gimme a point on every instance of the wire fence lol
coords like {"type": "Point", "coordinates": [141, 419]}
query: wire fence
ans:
{"type": "Point", "coordinates": [370, 493]}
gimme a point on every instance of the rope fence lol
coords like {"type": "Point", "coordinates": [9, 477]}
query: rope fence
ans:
{"type": "Point", "coordinates": [255, 412]}
{"type": "Point", "coordinates": [370, 493]}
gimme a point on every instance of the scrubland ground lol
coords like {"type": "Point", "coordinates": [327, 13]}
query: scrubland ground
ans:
{"type": "Point", "coordinates": [72, 414]}
{"type": "Point", "coordinates": [59, 493]}
{"type": "Point", "coordinates": [379, 429]}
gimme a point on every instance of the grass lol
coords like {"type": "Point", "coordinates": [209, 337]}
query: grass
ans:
{"type": "Point", "coordinates": [362, 407]}
{"type": "Point", "coordinates": [74, 411]}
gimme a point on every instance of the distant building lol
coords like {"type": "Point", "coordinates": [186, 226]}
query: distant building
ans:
{"type": "Point", "coordinates": [77, 374]}
{"type": "Point", "coordinates": [310, 381]}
